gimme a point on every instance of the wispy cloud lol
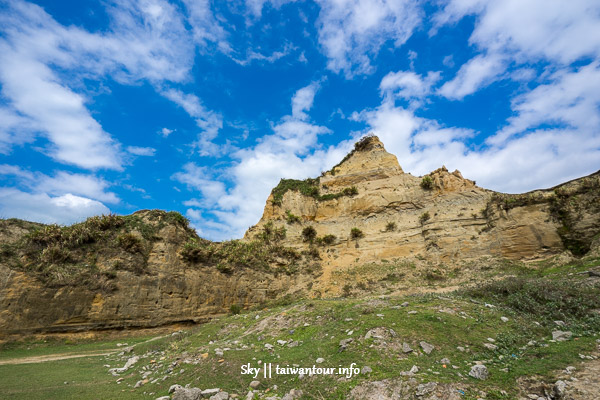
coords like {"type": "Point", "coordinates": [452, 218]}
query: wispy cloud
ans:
{"type": "Point", "coordinates": [353, 31]}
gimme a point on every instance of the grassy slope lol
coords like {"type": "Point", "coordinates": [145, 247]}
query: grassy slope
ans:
{"type": "Point", "coordinates": [445, 321]}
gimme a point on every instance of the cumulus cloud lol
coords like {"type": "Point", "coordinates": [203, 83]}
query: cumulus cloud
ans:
{"type": "Point", "coordinates": [570, 98]}
{"type": "Point", "coordinates": [61, 183]}
{"type": "Point", "coordinates": [44, 64]}
{"type": "Point", "coordinates": [477, 73]}
{"type": "Point", "coordinates": [353, 31]}
{"type": "Point", "coordinates": [408, 85]}
{"type": "Point", "coordinates": [40, 207]}
{"type": "Point", "coordinates": [520, 32]}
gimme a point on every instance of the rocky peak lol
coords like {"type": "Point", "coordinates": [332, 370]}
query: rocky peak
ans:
{"type": "Point", "coordinates": [366, 162]}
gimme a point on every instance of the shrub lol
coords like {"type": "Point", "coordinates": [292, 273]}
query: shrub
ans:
{"type": "Point", "coordinates": [225, 268]}
{"type": "Point", "coordinates": [347, 290]}
{"type": "Point", "coordinates": [177, 218]}
{"type": "Point", "coordinates": [356, 233]}
{"type": "Point", "coordinates": [291, 218]}
{"type": "Point", "coordinates": [351, 191]}
{"type": "Point", "coordinates": [366, 143]}
{"type": "Point", "coordinates": [235, 309]}
{"type": "Point", "coordinates": [327, 239]}
{"type": "Point", "coordinates": [427, 183]}
{"type": "Point", "coordinates": [391, 226]}
{"type": "Point", "coordinates": [308, 187]}
{"type": "Point", "coordinates": [309, 234]}
{"type": "Point", "coordinates": [424, 217]}
{"type": "Point", "coordinates": [55, 255]}
{"type": "Point", "coordinates": [272, 234]}
{"type": "Point", "coordinates": [130, 242]}
{"type": "Point", "coordinates": [555, 299]}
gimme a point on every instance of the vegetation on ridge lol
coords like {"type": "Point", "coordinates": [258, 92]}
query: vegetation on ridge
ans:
{"type": "Point", "coordinates": [308, 187]}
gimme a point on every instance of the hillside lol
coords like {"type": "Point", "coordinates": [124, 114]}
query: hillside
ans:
{"type": "Point", "coordinates": [363, 228]}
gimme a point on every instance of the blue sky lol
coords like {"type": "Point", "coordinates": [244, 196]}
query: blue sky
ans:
{"type": "Point", "coordinates": [201, 107]}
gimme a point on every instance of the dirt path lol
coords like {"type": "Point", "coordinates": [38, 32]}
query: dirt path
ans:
{"type": "Point", "coordinates": [66, 356]}
{"type": "Point", "coordinates": [56, 357]}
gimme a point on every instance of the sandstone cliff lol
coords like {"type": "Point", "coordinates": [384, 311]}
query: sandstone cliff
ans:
{"type": "Point", "coordinates": [442, 217]}
{"type": "Point", "coordinates": [144, 270]}
{"type": "Point", "coordinates": [319, 237]}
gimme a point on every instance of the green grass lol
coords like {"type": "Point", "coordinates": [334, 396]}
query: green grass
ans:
{"type": "Point", "coordinates": [448, 321]}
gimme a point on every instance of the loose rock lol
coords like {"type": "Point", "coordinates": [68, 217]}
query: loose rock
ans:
{"type": "Point", "coordinates": [427, 348]}
{"type": "Point", "coordinates": [479, 372]}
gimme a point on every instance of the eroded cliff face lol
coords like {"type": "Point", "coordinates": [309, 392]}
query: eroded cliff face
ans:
{"type": "Point", "coordinates": [443, 218]}
{"type": "Point", "coordinates": [167, 289]}
{"type": "Point", "coordinates": [150, 269]}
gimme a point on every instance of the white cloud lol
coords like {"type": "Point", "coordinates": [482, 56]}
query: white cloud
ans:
{"type": "Point", "coordinates": [207, 120]}
{"type": "Point", "coordinates": [475, 74]}
{"type": "Point", "coordinates": [353, 31]}
{"type": "Point", "coordinates": [303, 101]}
{"type": "Point", "coordinates": [408, 85]}
{"type": "Point", "coordinates": [253, 55]}
{"type": "Point", "coordinates": [537, 159]}
{"type": "Point", "coordinates": [255, 7]}
{"type": "Point", "coordinates": [292, 151]}
{"type": "Point", "coordinates": [141, 151]}
{"type": "Point", "coordinates": [47, 106]}
{"type": "Point", "coordinates": [166, 131]}
{"type": "Point", "coordinates": [61, 183]}
{"type": "Point", "coordinates": [521, 32]}
{"type": "Point", "coordinates": [570, 98]}
{"type": "Point", "coordinates": [40, 207]}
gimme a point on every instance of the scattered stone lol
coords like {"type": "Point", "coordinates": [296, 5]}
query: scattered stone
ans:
{"type": "Point", "coordinates": [425, 388]}
{"type": "Point", "coordinates": [254, 384]}
{"type": "Point", "coordinates": [491, 340]}
{"type": "Point", "coordinates": [561, 336]}
{"type": "Point", "coordinates": [406, 348]}
{"type": "Point", "coordinates": [412, 371]}
{"type": "Point", "coordinates": [293, 394]}
{"type": "Point", "coordinates": [350, 333]}
{"type": "Point", "coordinates": [366, 370]}
{"type": "Point", "coordinates": [293, 344]}
{"type": "Point", "coordinates": [460, 348]}
{"type": "Point", "coordinates": [344, 343]}
{"type": "Point", "coordinates": [320, 360]}
{"type": "Point", "coordinates": [412, 312]}
{"type": "Point", "coordinates": [490, 346]}
{"type": "Point", "coordinates": [559, 390]}
{"type": "Point", "coordinates": [268, 346]}
{"type": "Point", "coordinates": [220, 396]}
{"type": "Point", "coordinates": [130, 362]}
{"type": "Point", "coordinates": [210, 392]}
{"type": "Point", "coordinates": [219, 352]}
{"type": "Point", "coordinates": [479, 372]}
{"type": "Point", "coordinates": [164, 398]}
{"type": "Point", "coordinates": [182, 393]}
{"type": "Point", "coordinates": [140, 383]}
{"type": "Point", "coordinates": [405, 304]}
{"type": "Point", "coordinates": [504, 319]}
{"type": "Point", "coordinates": [427, 348]}
{"type": "Point", "coordinates": [569, 370]}
{"type": "Point", "coordinates": [282, 342]}
{"type": "Point", "coordinates": [445, 361]}
{"type": "Point", "coordinates": [560, 323]}
{"type": "Point", "coordinates": [489, 305]}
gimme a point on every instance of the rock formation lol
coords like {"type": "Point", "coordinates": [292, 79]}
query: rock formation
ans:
{"type": "Point", "coordinates": [150, 269]}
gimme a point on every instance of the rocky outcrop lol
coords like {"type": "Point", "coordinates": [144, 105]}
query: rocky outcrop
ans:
{"type": "Point", "coordinates": [441, 217]}
{"type": "Point", "coordinates": [167, 290]}
{"type": "Point", "coordinates": [150, 269]}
